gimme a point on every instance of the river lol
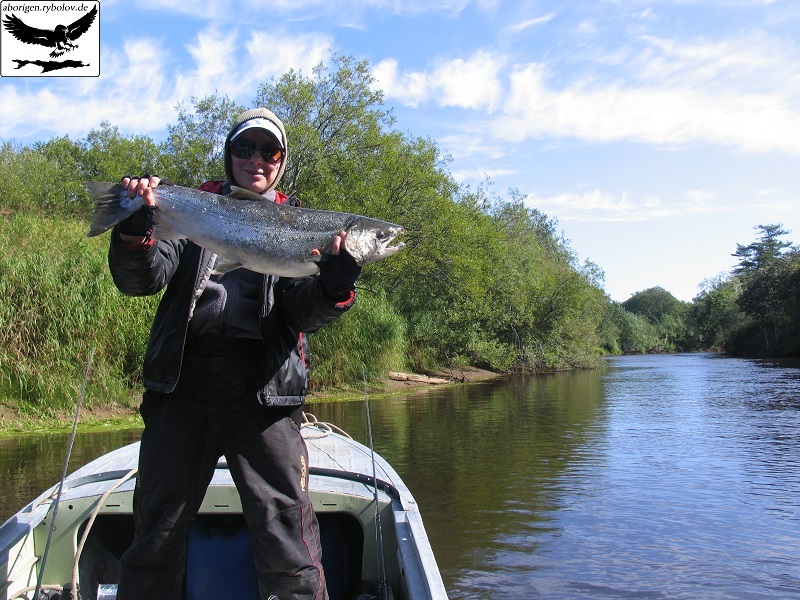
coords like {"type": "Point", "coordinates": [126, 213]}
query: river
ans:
{"type": "Point", "coordinates": [669, 476]}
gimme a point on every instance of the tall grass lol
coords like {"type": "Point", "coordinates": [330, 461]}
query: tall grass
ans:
{"type": "Point", "coordinates": [57, 301]}
{"type": "Point", "coordinates": [370, 339]}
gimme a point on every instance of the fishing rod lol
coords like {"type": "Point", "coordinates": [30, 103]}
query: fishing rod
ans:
{"type": "Point", "coordinates": [383, 585]}
{"type": "Point", "coordinates": [74, 592]}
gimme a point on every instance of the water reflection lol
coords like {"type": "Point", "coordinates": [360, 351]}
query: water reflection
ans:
{"type": "Point", "coordinates": [656, 477]}
{"type": "Point", "coordinates": [30, 464]}
{"type": "Point", "coordinates": [488, 463]}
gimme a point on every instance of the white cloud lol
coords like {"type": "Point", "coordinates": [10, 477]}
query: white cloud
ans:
{"type": "Point", "coordinates": [732, 93]}
{"type": "Point", "coordinates": [304, 52]}
{"type": "Point", "coordinates": [531, 23]}
{"type": "Point", "coordinates": [410, 88]}
{"type": "Point", "coordinates": [600, 206]}
{"type": "Point", "coordinates": [135, 92]}
{"type": "Point", "coordinates": [212, 52]}
{"type": "Point", "coordinates": [596, 202]}
{"type": "Point", "coordinates": [342, 12]}
{"type": "Point", "coordinates": [653, 115]}
{"type": "Point", "coordinates": [739, 92]}
{"type": "Point", "coordinates": [136, 96]}
{"type": "Point", "coordinates": [700, 197]}
{"type": "Point", "coordinates": [471, 83]}
{"type": "Point", "coordinates": [400, 7]}
{"type": "Point", "coordinates": [223, 65]}
{"type": "Point", "coordinates": [755, 60]}
{"type": "Point", "coordinates": [468, 176]}
{"type": "Point", "coordinates": [18, 122]}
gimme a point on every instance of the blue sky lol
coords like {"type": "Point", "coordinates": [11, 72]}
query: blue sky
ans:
{"type": "Point", "coordinates": [657, 133]}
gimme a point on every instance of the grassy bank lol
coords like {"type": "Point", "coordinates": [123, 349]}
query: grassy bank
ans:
{"type": "Point", "coordinates": [58, 303]}
{"type": "Point", "coordinates": [124, 415]}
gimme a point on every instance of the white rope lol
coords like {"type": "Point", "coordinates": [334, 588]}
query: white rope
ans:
{"type": "Point", "coordinates": [23, 593]}
{"type": "Point", "coordinates": [325, 429]}
{"type": "Point", "coordinates": [86, 531]}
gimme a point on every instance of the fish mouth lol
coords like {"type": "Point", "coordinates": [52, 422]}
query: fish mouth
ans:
{"type": "Point", "coordinates": [389, 250]}
{"type": "Point", "coordinates": [394, 233]}
{"type": "Point", "coordinates": [384, 247]}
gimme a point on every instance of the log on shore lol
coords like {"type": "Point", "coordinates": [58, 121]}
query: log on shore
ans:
{"type": "Point", "coordinates": [413, 377]}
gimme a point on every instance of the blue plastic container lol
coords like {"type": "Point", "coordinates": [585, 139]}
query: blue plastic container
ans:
{"type": "Point", "coordinates": [220, 565]}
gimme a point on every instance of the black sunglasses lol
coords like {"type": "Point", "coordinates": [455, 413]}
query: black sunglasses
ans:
{"type": "Point", "coordinates": [246, 149]}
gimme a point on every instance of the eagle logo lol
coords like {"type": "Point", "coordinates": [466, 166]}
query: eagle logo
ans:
{"type": "Point", "coordinates": [61, 38]}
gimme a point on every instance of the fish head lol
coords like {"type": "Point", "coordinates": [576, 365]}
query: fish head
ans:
{"type": "Point", "coordinates": [370, 240]}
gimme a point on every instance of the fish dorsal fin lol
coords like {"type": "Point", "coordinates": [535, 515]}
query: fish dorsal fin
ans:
{"type": "Point", "coordinates": [243, 194]}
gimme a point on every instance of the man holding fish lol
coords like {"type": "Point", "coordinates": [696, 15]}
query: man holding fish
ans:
{"type": "Point", "coordinates": [226, 374]}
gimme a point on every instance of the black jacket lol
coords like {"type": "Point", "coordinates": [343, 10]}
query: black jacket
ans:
{"type": "Point", "coordinates": [290, 307]}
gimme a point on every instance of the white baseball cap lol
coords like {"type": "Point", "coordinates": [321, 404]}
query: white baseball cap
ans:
{"type": "Point", "coordinates": [260, 123]}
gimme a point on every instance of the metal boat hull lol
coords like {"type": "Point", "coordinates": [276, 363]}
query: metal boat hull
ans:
{"type": "Point", "coordinates": [341, 487]}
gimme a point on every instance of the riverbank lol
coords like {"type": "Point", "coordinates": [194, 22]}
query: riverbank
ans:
{"type": "Point", "coordinates": [119, 416]}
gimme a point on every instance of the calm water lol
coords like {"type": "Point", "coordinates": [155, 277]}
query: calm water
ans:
{"type": "Point", "coordinates": [656, 477]}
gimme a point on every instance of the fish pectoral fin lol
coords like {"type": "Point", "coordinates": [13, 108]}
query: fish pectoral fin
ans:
{"type": "Point", "coordinates": [224, 265]}
{"type": "Point", "coordinates": [163, 230]}
{"type": "Point", "coordinates": [315, 258]}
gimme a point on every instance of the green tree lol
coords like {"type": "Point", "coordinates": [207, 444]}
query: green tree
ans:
{"type": "Point", "coordinates": [335, 123]}
{"type": "Point", "coordinates": [108, 155]}
{"type": "Point", "coordinates": [761, 253]}
{"type": "Point", "coordinates": [628, 333]}
{"type": "Point", "coordinates": [43, 177]}
{"type": "Point", "coordinates": [194, 149]}
{"type": "Point", "coordinates": [715, 312]}
{"type": "Point", "coordinates": [769, 292]}
{"type": "Point", "coordinates": [60, 188]}
{"type": "Point", "coordinates": [769, 298]}
{"type": "Point", "coordinates": [546, 307]}
{"type": "Point", "coordinates": [666, 313]}
{"type": "Point", "coordinates": [653, 304]}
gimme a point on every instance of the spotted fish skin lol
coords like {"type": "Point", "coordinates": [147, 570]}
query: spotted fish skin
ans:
{"type": "Point", "coordinates": [247, 229]}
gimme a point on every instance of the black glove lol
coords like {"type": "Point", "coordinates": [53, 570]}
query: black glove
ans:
{"type": "Point", "coordinates": [139, 223]}
{"type": "Point", "coordinates": [338, 274]}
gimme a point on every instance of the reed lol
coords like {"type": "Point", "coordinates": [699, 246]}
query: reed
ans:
{"type": "Point", "coordinates": [57, 301]}
{"type": "Point", "coordinates": [370, 339]}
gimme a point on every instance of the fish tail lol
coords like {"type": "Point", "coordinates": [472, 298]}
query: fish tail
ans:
{"type": "Point", "coordinates": [111, 205]}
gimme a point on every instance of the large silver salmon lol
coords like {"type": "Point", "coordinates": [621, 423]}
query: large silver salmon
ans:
{"type": "Point", "coordinates": [248, 230]}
